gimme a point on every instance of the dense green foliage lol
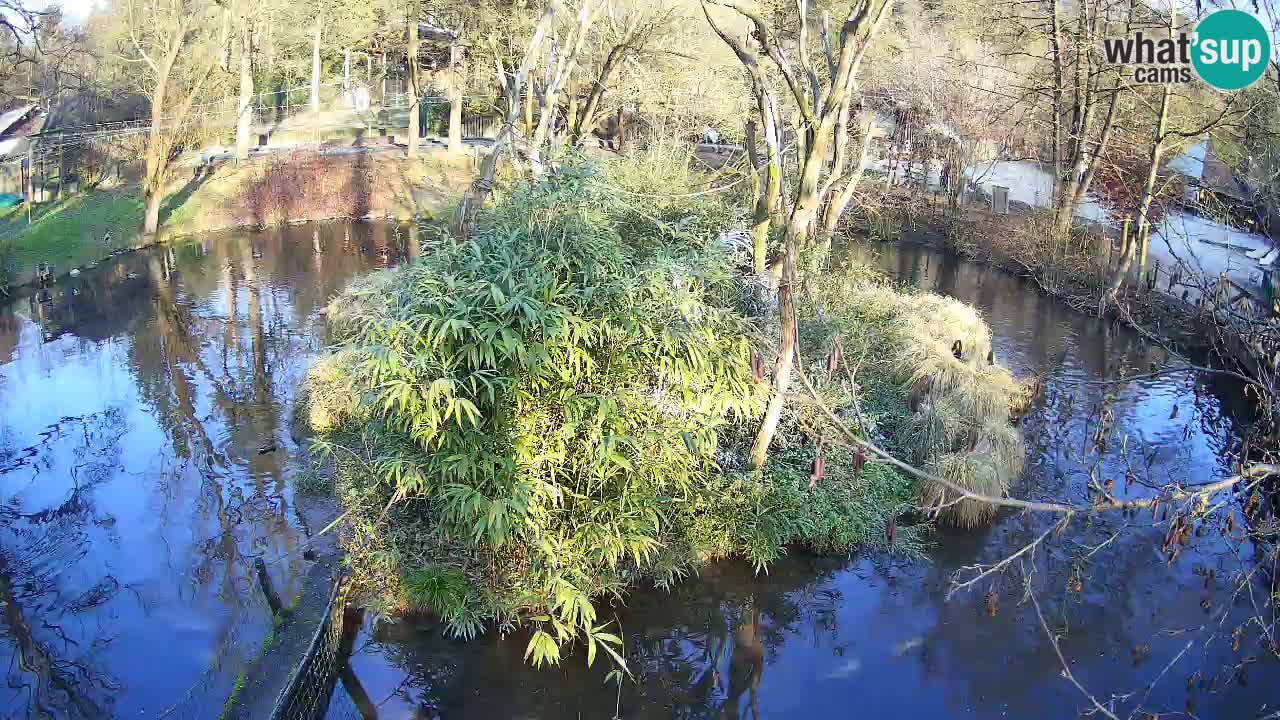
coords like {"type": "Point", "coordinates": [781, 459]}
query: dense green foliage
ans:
{"type": "Point", "coordinates": [560, 408]}
{"type": "Point", "coordinates": [554, 391]}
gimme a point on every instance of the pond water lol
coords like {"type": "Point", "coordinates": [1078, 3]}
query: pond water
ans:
{"type": "Point", "coordinates": [146, 461]}
{"type": "Point", "coordinates": [877, 636]}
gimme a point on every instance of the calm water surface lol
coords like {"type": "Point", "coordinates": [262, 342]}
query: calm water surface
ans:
{"type": "Point", "coordinates": [876, 636]}
{"type": "Point", "coordinates": [146, 461]}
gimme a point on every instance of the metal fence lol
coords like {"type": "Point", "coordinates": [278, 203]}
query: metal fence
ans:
{"type": "Point", "coordinates": [310, 687]}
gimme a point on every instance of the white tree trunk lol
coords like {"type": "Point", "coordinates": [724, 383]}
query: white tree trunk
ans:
{"type": "Point", "coordinates": [415, 104]}
{"type": "Point", "coordinates": [315, 66]}
{"type": "Point", "coordinates": [244, 116]}
{"type": "Point", "coordinates": [455, 100]}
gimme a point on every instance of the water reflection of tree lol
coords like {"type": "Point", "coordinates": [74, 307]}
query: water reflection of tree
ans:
{"type": "Point", "coordinates": [701, 651]}
{"type": "Point", "coordinates": [215, 333]}
{"type": "Point", "coordinates": [52, 651]}
{"type": "Point", "coordinates": [55, 686]}
{"type": "Point", "coordinates": [710, 656]}
{"type": "Point", "coordinates": [218, 362]}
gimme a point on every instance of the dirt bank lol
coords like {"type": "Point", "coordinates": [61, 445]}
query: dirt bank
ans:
{"type": "Point", "coordinates": [1016, 244]}
{"type": "Point", "coordinates": [289, 187]}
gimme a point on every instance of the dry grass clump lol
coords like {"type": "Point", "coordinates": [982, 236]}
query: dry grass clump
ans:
{"type": "Point", "coordinates": [961, 408]}
{"type": "Point", "coordinates": [326, 400]}
{"type": "Point", "coordinates": [1027, 242]}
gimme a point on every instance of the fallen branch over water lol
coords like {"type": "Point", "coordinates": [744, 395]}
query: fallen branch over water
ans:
{"type": "Point", "coordinates": [851, 439]}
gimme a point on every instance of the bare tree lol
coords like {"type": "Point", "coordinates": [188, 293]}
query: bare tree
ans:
{"type": "Point", "coordinates": [413, 16]}
{"type": "Point", "coordinates": [244, 107]}
{"type": "Point", "coordinates": [819, 105]}
{"type": "Point", "coordinates": [172, 38]}
{"type": "Point", "coordinates": [559, 67]}
{"type": "Point", "coordinates": [19, 41]}
{"type": "Point", "coordinates": [1140, 218]}
{"type": "Point", "coordinates": [512, 85]}
{"type": "Point", "coordinates": [631, 36]}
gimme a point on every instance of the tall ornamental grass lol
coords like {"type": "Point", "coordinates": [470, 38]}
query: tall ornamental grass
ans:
{"type": "Point", "coordinates": [547, 399]}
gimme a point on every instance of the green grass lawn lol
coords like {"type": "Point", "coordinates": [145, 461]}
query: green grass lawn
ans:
{"type": "Point", "coordinates": [72, 232]}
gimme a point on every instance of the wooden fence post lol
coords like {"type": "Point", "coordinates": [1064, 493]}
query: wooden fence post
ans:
{"type": "Point", "coordinates": [31, 178]}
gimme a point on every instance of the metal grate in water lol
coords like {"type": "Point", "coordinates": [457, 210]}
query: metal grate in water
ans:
{"type": "Point", "coordinates": [310, 687]}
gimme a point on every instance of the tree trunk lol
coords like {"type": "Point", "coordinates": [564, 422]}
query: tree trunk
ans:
{"type": "Point", "coordinates": [767, 181]}
{"type": "Point", "coordinates": [836, 204]}
{"type": "Point", "coordinates": [315, 65]}
{"type": "Point", "coordinates": [455, 100]}
{"type": "Point", "coordinates": [154, 199]}
{"type": "Point", "coordinates": [224, 49]}
{"type": "Point", "coordinates": [556, 79]}
{"type": "Point", "coordinates": [244, 117]}
{"type": "Point", "coordinates": [156, 155]}
{"type": "Point", "coordinates": [621, 129]}
{"type": "Point", "coordinates": [584, 120]}
{"type": "Point", "coordinates": [786, 357]}
{"type": "Point", "coordinates": [528, 108]}
{"type": "Point", "coordinates": [415, 103]}
{"type": "Point", "coordinates": [1077, 187]}
{"type": "Point", "coordinates": [1055, 45]}
{"type": "Point", "coordinates": [1140, 220]}
{"type": "Point", "coordinates": [473, 199]}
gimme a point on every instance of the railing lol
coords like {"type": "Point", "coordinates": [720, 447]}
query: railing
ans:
{"type": "Point", "coordinates": [306, 696]}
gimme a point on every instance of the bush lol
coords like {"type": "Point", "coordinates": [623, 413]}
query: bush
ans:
{"type": "Point", "coordinates": [561, 408]}
{"type": "Point", "coordinates": [958, 411]}
{"type": "Point", "coordinates": [548, 393]}
{"type": "Point", "coordinates": [7, 263]}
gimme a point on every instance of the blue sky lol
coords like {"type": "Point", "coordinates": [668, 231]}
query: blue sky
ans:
{"type": "Point", "coordinates": [74, 10]}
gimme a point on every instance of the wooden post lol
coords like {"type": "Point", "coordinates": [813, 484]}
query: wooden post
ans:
{"type": "Point", "coordinates": [1124, 235]}
{"type": "Point", "coordinates": [1144, 235]}
{"type": "Point", "coordinates": [31, 177]}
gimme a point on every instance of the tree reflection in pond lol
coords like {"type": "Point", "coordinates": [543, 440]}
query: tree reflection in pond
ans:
{"type": "Point", "coordinates": [878, 637]}
{"type": "Point", "coordinates": [146, 462]}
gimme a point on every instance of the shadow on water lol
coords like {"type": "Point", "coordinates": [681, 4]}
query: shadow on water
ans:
{"type": "Point", "coordinates": [146, 463]}
{"type": "Point", "coordinates": [877, 636]}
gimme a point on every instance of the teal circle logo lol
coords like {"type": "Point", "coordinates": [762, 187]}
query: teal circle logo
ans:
{"type": "Point", "coordinates": [1231, 49]}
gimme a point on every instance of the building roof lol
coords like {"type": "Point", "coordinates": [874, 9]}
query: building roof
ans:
{"type": "Point", "coordinates": [1191, 162]}
{"type": "Point", "coordinates": [14, 116]}
{"type": "Point", "coordinates": [1211, 173]}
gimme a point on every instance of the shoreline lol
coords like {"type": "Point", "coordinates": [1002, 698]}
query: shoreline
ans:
{"type": "Point", "coordinates": [1188, 334]}
{"type": "Point", "coordinates": [163, 238]}
{"type": "Point", "coordinates": [288, 190]}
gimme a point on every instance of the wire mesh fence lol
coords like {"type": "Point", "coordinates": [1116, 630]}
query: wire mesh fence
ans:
{"type": "Point", "coordinates": [307, 695]}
